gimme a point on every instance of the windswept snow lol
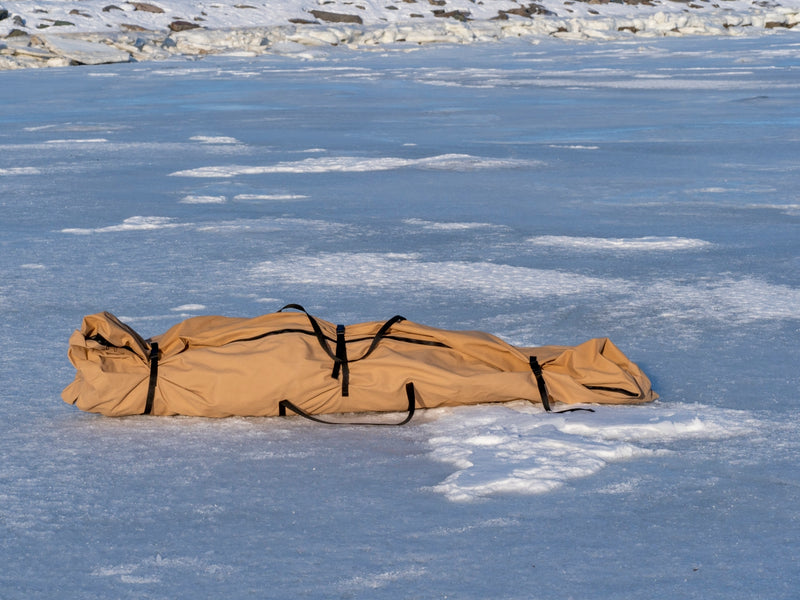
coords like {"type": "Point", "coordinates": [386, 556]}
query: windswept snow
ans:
{"type": "Point", "coordinates": [654, 243]}
{"type": "Point", "coordinates": [494, 450]}
{"type": "Point", "coordinates": [353, 164]}
{"type": "Point", "coordinates": [129, 224]}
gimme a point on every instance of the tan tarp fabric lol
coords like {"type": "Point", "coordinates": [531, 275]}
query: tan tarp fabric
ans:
{"type": "Point", "coordinates": [221, 366]}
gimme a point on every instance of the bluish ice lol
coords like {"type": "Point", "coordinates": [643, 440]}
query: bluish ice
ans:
{"type": "Point", "coordinates": [645, 190]}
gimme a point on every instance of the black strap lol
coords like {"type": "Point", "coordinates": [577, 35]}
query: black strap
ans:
{"type": "Point", "coordinates": [340, 360]}
{"type": "Point", "coordinates": [537, 373]}
{"type": "Point", "coordinates": [323, 341]}
{"type": "Point", "coordinates": [379, 336]}
{"type": "Point", "coordinates": [410, 394]}
{"type": "Point", "coordinates": [341, 363]}
{"type": "Point", "coordinates": [151, 386]}
{"type": "Point", "coordinates": [317, 330]}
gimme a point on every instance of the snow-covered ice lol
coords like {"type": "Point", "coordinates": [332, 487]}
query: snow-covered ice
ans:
{"type": "Point", "coordinates": [643, 189]}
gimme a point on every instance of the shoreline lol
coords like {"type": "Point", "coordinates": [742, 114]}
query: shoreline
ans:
{"type": "Point", "coordinates": [59, 46]}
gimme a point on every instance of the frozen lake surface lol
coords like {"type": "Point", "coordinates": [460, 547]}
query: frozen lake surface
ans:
{"type": "Point", "coordinates": [642, 190]}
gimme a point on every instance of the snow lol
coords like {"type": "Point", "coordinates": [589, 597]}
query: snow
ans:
{"type": "Point", "coordinates": [453, 162]}
{"type": "Point", "coordinates": [58, 33]}
{"type": "Point", "coordinates": [549, 192]}
{"type": "Point", "coordinates": [621, 244]}
{"type": "Point", "coordinates": [495, 452]}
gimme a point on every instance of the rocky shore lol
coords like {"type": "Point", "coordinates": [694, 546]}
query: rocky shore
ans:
{"type": "Point", "coordinates": [89, 32]}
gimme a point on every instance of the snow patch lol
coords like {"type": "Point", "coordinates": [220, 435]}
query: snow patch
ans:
{"type": "Point", "coordinates": [406, 271]}
{"type": "Point", "coordinates": [269, 224]}
{"type": "Point", "coordinates": [20, 171]}
{"type": "Point", "coordinates": [220, 139]}
{"type": "Point", "coordinates": [129, 224]}
{"type": "Point", "coordinates": [79, 141]}
{"type": "Point", "coordinates": [517, 448]}
{"type": "Point", "coordinates": [574, 147]}
{"type": "Point", "coordinates": [743, 299]}
{"type": "Point", "coordinates": [449, 226]}
{"type": "Point", "coordinates": [150, 570]}
{"type": "Point", "coordinates": [203, 200]}
{"type": "Point", "coordinates": [189, 307]}
{"type": "Point", "coordinates": [648, 243]}
{"type": "Point", "coordinates": [379, 580]}
{"type": "Point", "coordinates": [353, 164]}
{"type": "Point", "coordinates": [792, 210]}
{"type": "Point", "coordinates": [268, 197]}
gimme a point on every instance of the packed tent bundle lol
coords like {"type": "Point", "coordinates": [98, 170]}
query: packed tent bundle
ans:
{"type": "Point", "coordinates": [289, 360]}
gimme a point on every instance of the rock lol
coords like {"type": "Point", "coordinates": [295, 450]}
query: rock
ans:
{"type": "Point", "coordinates": [111, 7]}
{"type": "Point", "coordinates": [3, 14]}
{"type": "Point", "coordinates": [84, 52]}
{"type": "Point", "coordinates": [525, 11]}
{"type": "Point", "coordinates": [183, 25]}
{"type": "Point", "coordinates": [35, 52]}
{"type": "Point", "coordinates": [145, 7]}
{"type": "Point", "coordinates": [16, 33]}
{"type": "Point", "coordinates": [331, 17]}
{"type": "Point", "coordinates": [458, 15]}
{"type": "Point", "coordinates": [129, 27]}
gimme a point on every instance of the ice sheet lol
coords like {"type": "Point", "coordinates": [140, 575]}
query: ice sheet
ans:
{"type": "Point", "coordinates": [661, 213]}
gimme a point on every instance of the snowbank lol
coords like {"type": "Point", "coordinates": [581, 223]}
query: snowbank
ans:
{"type": "Point", "coordinates": [63, 32]}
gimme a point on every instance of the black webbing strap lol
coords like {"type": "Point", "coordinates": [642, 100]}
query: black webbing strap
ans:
{"type": "Point", "coordinates": [537, 373]}
{"type": "Point", "coordinates": [317, 330]}
{"type": "Point", "coordinates": [151, 386]}
{"type": "Point", "coordinates": [339, 356]}
{"type": "Point", "coordinates": [324, 342]}
{"type": "Point", "coordinates": [379, 336]}
{"type": "Point", "coordinates": [410, 394]}
{"type": "Point", "coordinates": [341, 364]}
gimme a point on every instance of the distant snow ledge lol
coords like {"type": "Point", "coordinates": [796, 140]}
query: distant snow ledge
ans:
{"type": "Point", "coordinates": [25, 50]}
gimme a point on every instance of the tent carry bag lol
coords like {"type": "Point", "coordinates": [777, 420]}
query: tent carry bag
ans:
{"type": "Point", "coordinates": [291, 361]}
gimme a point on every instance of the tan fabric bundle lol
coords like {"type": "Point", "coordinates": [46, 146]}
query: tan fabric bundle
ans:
{"type": "Point", "coordinates": [219, 366]}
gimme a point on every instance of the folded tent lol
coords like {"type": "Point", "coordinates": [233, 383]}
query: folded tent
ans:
{"type": "Point", "coordinates": [217, 366]}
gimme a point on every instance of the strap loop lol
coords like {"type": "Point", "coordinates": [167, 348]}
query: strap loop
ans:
{"type": "Point", "coordinates": [410, 394]}
{"type": "Point", "coordinates": [339, 357]}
